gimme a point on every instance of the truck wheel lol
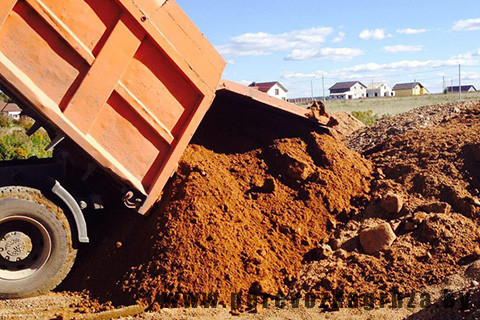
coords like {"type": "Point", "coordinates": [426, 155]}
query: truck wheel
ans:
{"type": "Point", "coordinates": [36, 251]}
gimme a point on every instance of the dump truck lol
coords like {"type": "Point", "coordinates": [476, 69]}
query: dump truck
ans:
{"type": "Point", "coordinates": [120, 86]}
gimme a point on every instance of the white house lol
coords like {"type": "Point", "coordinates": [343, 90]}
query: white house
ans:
{"type": "Point", "coordinates": [12, 110]}
{"type": "Point", "coordinates": [468, 88]}
{"type": "Point", "coordinates": [274, 89]}
{"type": "Point", "coordinates": [348, 90]}
{"type": "Point", "coordinates": [380, 89]}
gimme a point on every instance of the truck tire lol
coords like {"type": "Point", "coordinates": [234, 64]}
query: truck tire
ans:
{"type": "Point", "coordinates": [36, 248]}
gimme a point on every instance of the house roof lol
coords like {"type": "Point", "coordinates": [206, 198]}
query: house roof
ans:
{"type": "Point", "coordinates": [407, 86]}
{"type": "Point", "coordinates": [464, 88]}
{"type": "Point", "coordinates": [265, 86]}
{"type": "Point", "coordinates": [345, 85]}
{"type": "Point", "coordinates": [377, 85]}
{"type": "Point", "coordinates": [10, 107]}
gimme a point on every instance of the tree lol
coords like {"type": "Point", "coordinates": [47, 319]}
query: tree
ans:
{"type": "Point", "coordinates": [4, 97]}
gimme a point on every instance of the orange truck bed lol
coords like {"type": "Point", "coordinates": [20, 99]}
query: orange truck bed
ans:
{"type": "Point", "coordinates": [127, 80]}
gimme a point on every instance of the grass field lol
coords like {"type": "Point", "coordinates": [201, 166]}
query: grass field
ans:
{"type": "Point", "coordinates": [396, 105]}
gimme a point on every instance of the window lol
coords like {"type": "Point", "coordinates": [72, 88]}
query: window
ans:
{"type": "Point", "coordinates": [277, 92]}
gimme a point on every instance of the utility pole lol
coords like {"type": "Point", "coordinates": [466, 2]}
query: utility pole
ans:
{"type": "Point", "coordinates": [323, 85]}
{"type": "Point", "coordinates": [460, 81]}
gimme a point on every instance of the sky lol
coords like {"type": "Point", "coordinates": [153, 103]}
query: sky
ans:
{"type": "Point", "coordinates": [298, 42]}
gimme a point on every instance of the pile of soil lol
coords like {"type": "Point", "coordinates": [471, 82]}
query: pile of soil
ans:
{"type": "Point", "coordinates": [255, 193]}
{"type": "Point", "coordinates": [344, 124]}
{"type": "Point", "coordinates": [435, 172]}
{"type": "Point", "coordinates": [418, 118]}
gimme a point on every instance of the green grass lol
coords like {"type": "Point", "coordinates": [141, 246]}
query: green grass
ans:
{"type": "Point", "coordinates": [395, 105]}
{"type": "Point", "coordinates": [15, 144]}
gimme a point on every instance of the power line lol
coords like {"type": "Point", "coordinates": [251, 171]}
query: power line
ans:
{"type": "Point", "coordinates": [389, 76]}
{"type": "Point", "coordinates": [460, 81]}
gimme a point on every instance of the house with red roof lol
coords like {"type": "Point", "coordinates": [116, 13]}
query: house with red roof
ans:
{"type": "Point", "coordinates": [274, 89]}
{"type": "Point", "coordinates": [10, 109]}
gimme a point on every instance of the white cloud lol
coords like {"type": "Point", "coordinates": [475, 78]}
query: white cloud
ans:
{"type": "Point", "coordinates": [340, 37]}
{"type": "Point", "coordinates": [470, 76]}
{"type": "Point", "coordinates": [376, 34]}
{"type": "Point", "coordinates": [411, 31]}
{"type": "Point", "coordinates": [261, 43]}
{"type": "Point", "coordinates": [467, 25]}
{"type": "Point", "coordinates": [469, 55]}
{"type": "Point", "coordinates": [333, 54]}
{"type": "Point", "coordinates": [410, 64]}
{"type": "Point", "coordinates": [401, 48]}
{"type": "Point", "coordinates": [370, 69]}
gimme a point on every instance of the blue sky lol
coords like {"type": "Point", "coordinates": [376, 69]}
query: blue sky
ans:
{"type": "Point", "coordinates": [296, 42]}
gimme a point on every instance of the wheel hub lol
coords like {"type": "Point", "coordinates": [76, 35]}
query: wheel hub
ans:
{"type": "Point", "coordinates": [15, 246]}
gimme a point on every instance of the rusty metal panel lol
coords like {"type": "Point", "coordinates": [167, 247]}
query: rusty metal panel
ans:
{"type": "Point", "coordinates": [128, 80]}
{"type": "Point", "coordinates": [263, 98]}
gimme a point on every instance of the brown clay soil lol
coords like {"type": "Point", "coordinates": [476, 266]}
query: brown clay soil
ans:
{"type": "Point", "coordinates": [260, 198]}
{"type": "Point", "coordinates": [435, 169]}
{"type": "Point", "coordinates": [254, 193]}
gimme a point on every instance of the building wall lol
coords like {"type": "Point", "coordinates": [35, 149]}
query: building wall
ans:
{"type": "Point", "coordinates": [13, 114]}
{"type": "Point", "coordinates": [277, 92]}
{"type": "Point", "coordinates": [383, 91]}
{"type": "Point", "coordinates": [417, 91]}
{"type": "Point", "coordinates": [403, 93]}
{"type": "Point", "coordinates": [358, 91]}
{"type": "Point", "coordinates": [423, 91]}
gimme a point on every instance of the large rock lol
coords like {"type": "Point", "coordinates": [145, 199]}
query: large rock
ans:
{"type": "Point", "coordinates": [375, 239]}
{"type": "Point", "coordinates": [473, 271]}
{"type": "Point", "coordinates": [392, 203]}
{"type": "Point", "coordinates": [437, 207]}
{"type": "Point", "coordinates": [299, 170]}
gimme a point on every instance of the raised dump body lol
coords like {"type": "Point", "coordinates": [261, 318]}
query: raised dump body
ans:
{"type": "Point", "coordinates": [127, 80]}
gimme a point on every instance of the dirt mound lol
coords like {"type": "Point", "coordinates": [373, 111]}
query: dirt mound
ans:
{"type": "Point", "coordinates": [345, 124]}
{"type": "Point", "coordinates": [418, 118]}
{"type": "Point", "coordinates": [254, 193]}
{"type": "Point", "coordinates": [433, 174]}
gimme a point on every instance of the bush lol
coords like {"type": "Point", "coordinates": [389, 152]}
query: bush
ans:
{"type": "Point", "coordinates": [4, 97]}
{"type": "Point", "coordinates": [367, 117]}
{"type": "Point", "coordinates": [6, 121]}
{"type": "Point", "coordinates": [16, 145]}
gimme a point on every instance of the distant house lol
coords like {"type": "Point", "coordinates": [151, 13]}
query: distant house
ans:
{"type": "Point", "coordinates": [348, 90]}
{"type": "Point", "coordinates": [410, 89]}
{"type": "Point", "coordinates": [12, 110]}
{"type": "Point", "coordinates": [274, 89]}
{"type": "Point", "coordinates": [380, 89]}
{"type": "Point", "coordinates": [468, 88]}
